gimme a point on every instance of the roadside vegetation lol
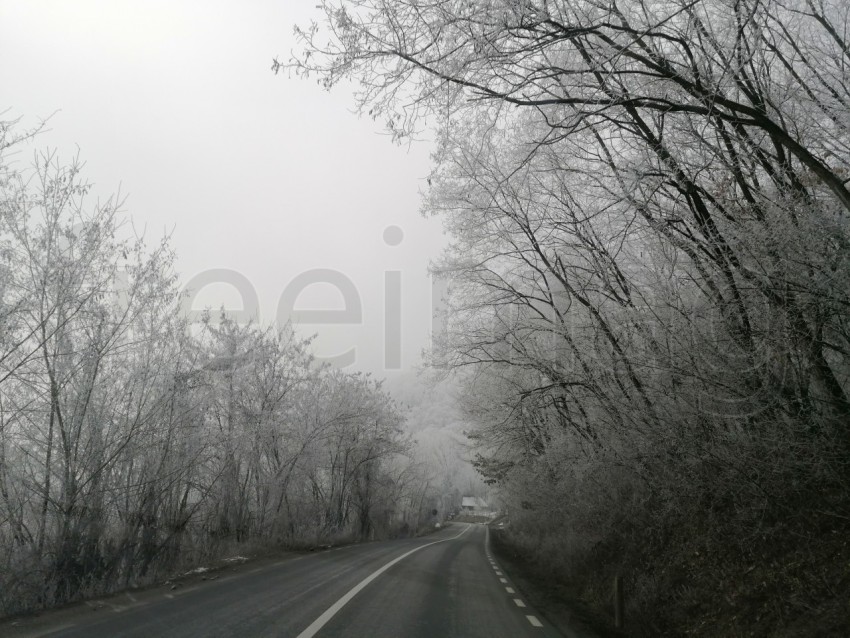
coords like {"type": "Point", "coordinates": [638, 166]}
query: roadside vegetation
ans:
{"type": "Point", "coordinates": [134, 445]}
{"type": "Point", "coordinates": [649, 283]}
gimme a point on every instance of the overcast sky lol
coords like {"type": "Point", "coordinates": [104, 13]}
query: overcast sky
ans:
{"type": "Point", "coordinates": [262, 175]}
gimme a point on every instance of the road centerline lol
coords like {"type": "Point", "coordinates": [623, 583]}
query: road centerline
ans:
{"type": "Point", "coordinates": [331, 611]}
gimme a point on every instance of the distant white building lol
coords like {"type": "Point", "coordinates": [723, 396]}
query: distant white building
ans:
{"type": "Point", "coordinates": [474, 505]}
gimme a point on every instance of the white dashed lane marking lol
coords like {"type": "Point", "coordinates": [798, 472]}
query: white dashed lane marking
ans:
{"type": "Point", "coordinates": [510, 590]}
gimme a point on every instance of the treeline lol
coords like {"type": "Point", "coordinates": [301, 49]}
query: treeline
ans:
{"type": "Point", "coordinates": [650, 275]}
{"type": "Point", "coordinates": [132, 444]}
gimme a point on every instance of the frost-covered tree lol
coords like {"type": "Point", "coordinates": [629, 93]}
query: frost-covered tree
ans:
{"type": "Point", "coordinates": [648, 207]}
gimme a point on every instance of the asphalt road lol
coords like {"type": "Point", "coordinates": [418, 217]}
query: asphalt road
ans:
{"type": "Point", "coordinates": [442, 585]}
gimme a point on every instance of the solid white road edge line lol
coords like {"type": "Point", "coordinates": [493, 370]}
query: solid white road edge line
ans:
{"type": "Point", "coordinates": [331, 611]}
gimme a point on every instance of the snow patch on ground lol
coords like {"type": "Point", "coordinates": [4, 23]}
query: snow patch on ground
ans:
{"type": "Point", "coordinates": [197, 570]}
{"type": "Point", "coordinates": [235, 559]}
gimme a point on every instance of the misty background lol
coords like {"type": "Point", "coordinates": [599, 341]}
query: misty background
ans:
{"type": "Point", "coordinates": [175, 106]}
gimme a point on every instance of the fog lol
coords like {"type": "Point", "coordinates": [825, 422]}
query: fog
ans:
{"type": "Point", "coordinates": [258, 179]}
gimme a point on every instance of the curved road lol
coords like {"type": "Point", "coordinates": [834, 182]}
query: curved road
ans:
{"type": "Point", "coordinates": [445, 584]}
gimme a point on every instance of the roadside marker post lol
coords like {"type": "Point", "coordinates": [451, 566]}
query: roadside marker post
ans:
{"type": "Point", "coordinates": [618, 601]}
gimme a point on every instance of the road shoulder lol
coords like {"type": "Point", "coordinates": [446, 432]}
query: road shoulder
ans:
{"type": "Point", "coordinates": [549, 598]}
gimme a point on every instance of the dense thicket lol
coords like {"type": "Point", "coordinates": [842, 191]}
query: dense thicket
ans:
{"type": "Point", "coordinates": [650, 280]}
{"type": "Point", "coordinates": [133, 445]}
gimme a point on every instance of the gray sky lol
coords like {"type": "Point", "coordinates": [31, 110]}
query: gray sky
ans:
{"type": "Point", "coordinates": [263, 175]}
